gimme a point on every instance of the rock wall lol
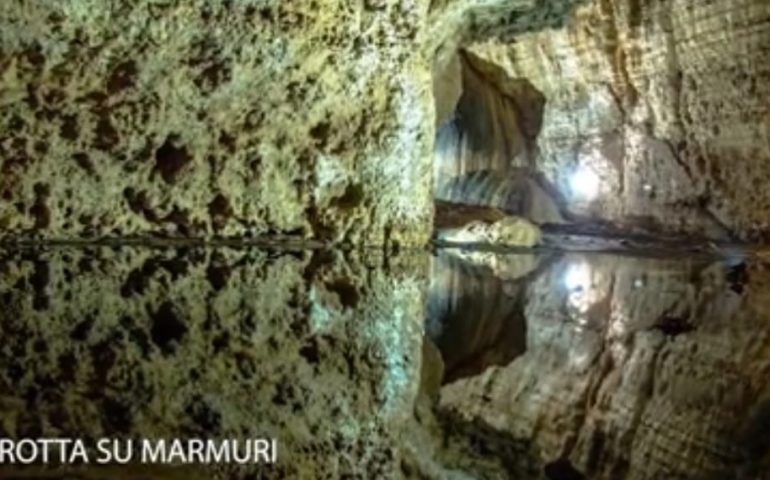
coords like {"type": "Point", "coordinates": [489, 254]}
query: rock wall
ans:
{"type": "Point", "coordinates": [312, 119]}
{"type": "Point", "coordinates": [220, 118]}
{"type": "Point", "coordinates": [474, 318]}
{"type": "Point", "coordinates": [209, 119]}
{"type": "Point", "coordinates": [664, 102]}
{"type": "Point", "coordinates": [486, 144]}
{"type": "Point", "coordinates": [613, 366]}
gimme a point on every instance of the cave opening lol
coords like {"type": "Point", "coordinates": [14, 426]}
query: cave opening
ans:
{"type": "Point", "coordinates": [485, 155]}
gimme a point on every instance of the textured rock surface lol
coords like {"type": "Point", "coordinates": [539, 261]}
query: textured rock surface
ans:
{"type": "Point", "coordinates": [234, 119]}
{"type": "Point", "coordinates": [509, 231]}
{"type": "Point", "coordinates": [634, 368]}
{"type": "Point", "coordinates": [141, 343]}
{"type": "Point", "coordinates": [251, 118]}
{"type": "Point", "coordinates": [665, 101]}
{"type": "Point", "coordinates": [486, 151]}
{"type": "Point", "coordinates": [315, 119]}
{"type": "Point", "coordinates": [460, 224]}
{"type": "Point", "coordinates": [201, 118]}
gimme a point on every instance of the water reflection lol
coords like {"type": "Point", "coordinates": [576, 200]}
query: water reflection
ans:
{"type": "Point", "coordinates": [631, 367]}
{"type": "Point", "coordinates": [545, 365]}
{"type": "Point", "coordinates": [476, 309]}
{"type": "Point", "coordinates": [319, 350]}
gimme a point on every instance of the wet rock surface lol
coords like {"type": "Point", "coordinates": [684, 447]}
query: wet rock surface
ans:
{"type": "Point", "coordinates": [315, 349]}
{"type": "Point", "coordinates": [457, 224]}
{"type": "Point", "coordinates": [660, 104]}
{"type": "Point", "coordinates": [633, 367]}
{"type": "Point", "coordinates": [483, 365]}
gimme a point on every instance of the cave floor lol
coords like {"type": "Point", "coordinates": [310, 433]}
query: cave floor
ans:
{"type": "Point", "coordinates": [457, 363]}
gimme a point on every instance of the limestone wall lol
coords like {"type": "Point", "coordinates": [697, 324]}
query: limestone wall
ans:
{"type": "Point", "coordinates": [634, 368]}
{"type": "Point", "coordinates": [200, 118]}
{"type": "Point", "coordinates": [664, 101]}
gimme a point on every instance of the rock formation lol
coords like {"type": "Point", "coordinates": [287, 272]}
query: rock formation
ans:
{"type": "Point", "coordinates": [144, 124]}
{"type": "Point", "coordinates": [202, 118]}
{"type": "Point", "coordinates": [491, 228]}
{"type": "Point", "coordinates": [232, 119]}
{"type": "Point", "coordinates": [486, 148]}
{"type": "Point", "coordinates": [661, 103]}
{"type": "Point", "coordinates": [610, 366]}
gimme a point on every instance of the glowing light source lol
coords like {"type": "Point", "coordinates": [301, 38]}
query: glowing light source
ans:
{"type": "Point", "coordinates": [577, 277]}
{"type": "Point", "coordinates": [584, 183]}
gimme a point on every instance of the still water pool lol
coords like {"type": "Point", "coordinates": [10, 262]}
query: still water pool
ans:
{"type": "Point", "coordinates": [450, 364]}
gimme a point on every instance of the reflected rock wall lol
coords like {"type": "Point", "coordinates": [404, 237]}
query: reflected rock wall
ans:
{"type": "Point", "coordinates": [523, 366]}
{"type": "Point", "coordinates": [215, 343]}
{"type": "Point", "coordinates": [634, 368]}
{"type": "Point", "coordinates": [476, 318]}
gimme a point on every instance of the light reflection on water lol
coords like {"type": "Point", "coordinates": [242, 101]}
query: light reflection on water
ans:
{"type": "Point", "coordinates": [658, 354]}
{"type": "Point", "coordinates": [601, 363]}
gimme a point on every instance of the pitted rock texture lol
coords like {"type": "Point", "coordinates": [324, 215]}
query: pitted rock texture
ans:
{"type": "Point", "coordinates": [664, 101]}
{"type": "Point", "coordinates": [318, 351]}
{"type": "Point", "coordinates": [204, 118]}
{"type": "Point", "coordinates": [634, 368]}
{"type": "Point", "coordinates": [308, 118]}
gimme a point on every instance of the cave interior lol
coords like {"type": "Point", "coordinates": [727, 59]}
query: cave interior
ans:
{"type": "Point", "coordinates": [428, 239]}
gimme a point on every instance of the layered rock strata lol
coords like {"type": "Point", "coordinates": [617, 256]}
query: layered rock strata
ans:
{"type": "Point", "coordinates": [660, 106]}
{"type": "Point", "coordinates": [486, 144]}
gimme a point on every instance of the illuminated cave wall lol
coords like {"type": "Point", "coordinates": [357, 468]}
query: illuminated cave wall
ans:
{"type": "Point", "coordinates": [634, 368]}
{"type": "Point", "coordinates": [656, 115]}
{"type": "Point", "coordinates": [486, 144]}
{"type": "Point", "coordinates": [245, 119]}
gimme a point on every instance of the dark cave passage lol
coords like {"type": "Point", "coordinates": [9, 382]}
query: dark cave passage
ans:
{"type": "Point", "coordinates": [485, 152]}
